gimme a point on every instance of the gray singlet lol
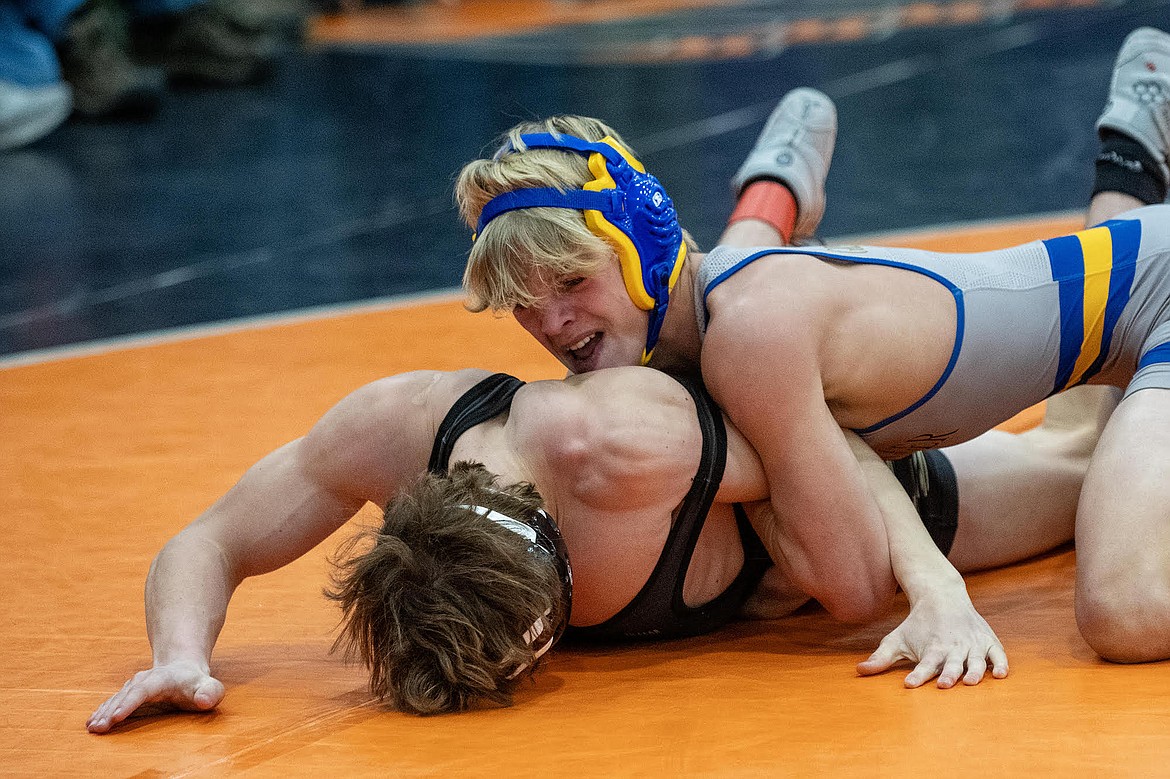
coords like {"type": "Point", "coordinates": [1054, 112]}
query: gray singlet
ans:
{"type": "Point", "coordinates": [1033, 320]}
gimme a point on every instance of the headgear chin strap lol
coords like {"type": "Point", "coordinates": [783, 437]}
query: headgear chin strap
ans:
{"type": "Point", "coordinates": [624, 205]}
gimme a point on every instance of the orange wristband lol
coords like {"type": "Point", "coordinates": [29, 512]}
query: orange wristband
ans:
{"type": "Point", "coordinates": [770, 202]}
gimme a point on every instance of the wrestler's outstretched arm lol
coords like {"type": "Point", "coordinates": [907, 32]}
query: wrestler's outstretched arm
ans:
{"type": "Point", "coordinates": [282, 507]}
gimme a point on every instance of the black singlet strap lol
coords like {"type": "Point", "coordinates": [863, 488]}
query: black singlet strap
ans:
{"type": "Point", "coordinates": [489, 398]}
{"type": "Point", "coordinates": [756, 563]}
{"type": "Point", "coordinates": [658, 610]}
{"type": "Point", "coordinates": [720, 610]}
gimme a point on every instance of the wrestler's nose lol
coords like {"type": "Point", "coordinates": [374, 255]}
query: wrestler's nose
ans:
{"type": "Point", "coordinates": [548, 319]}
{"type": "Point", "coordinates": [555, 316]}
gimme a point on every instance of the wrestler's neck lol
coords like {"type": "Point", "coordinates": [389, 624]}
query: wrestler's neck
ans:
{"type": "Point", "coordinates": [678, 345]}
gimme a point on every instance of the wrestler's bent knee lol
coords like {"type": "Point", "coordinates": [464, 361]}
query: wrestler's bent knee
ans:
{"type": "Point", "coordinates": [1127, 621]}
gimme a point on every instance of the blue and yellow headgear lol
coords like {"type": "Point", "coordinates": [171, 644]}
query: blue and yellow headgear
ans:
{"type": "Point", "coordinates": [625, 206]}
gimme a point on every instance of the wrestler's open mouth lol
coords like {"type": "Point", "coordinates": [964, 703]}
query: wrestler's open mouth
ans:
{"type": "Point", "coordinates": [584, 349]}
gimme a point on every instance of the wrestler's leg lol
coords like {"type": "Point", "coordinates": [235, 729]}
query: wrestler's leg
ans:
{"type": "Point", "coordinates": [1106, 205]}
{"type": "Point", "coordinates": [1013, 496]}
{"type": "Point", "coordinates": [1131, 166]}
{"type": "Point", "coordinates": [755, 232]}
{"type": "Point", "coordinates": [1123, 534]}
{"type": "Point", "coordinates": [1086, 408]}
{"type": "Point", "coordinates": [1130, 172]}
{"type": "Point", "coordinates": [780, 188]}
{"type": "Point", "coordinates": [1016, 502]}
{"type": "Point", "coordinates": [1123, 520]}
{"type": "Point", "coordinates": [1018, 492]}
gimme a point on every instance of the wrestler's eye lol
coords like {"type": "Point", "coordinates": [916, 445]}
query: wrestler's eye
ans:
{"type": "Point", "coordinates": [571, 282]}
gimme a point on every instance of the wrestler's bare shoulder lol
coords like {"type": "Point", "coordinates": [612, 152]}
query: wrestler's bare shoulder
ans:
{"type": "Point", "coordinates": [789, 296]}
{"type": "Point", "coordinates": [623, 387]}
{"type": "Point", "coordinates": [614, 429]}
{"type": "Point", "coordinates": [420, 393]}
{"type": "Point", "coordinates": [602, 398]}
{"type": "Point", "coordinates": [379, 437]}
{"type": "Point", "coordinates": [782, 270]}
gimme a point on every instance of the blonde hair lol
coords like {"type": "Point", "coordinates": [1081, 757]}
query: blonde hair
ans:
{"type": "Point", "coordinates": [530, 249]}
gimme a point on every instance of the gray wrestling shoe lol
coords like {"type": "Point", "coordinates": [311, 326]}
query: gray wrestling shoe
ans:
{"type": "Point", "coordinates": [796, 147]}
{"type": "Point", "coordinates": [1139, 94]}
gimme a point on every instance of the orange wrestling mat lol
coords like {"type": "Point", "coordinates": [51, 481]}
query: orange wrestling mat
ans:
{"type": "Point", "coordinates": [105, 456]}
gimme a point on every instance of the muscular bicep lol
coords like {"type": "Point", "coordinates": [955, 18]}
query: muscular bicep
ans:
{"type": "Point", "coordinates": [744, 480]}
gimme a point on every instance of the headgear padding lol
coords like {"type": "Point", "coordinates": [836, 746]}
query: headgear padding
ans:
{"type": "Point", "coordinates": [625, 206]}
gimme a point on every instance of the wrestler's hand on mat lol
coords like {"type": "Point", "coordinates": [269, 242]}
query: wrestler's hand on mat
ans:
{"type": "Point", "coordinates": [183, 685]}
{"type": "Point", "coordinates": [945, 637]}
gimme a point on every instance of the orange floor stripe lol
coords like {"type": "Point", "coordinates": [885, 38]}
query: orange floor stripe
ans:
{"type": "Point", "coordinates": [453, 22]}
{"type": "Point", "coordinates": [104, 457]}
{"type": "Point", "coordinates": [445, 22]}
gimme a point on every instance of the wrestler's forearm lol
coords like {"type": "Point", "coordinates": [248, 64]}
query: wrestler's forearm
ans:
{"type": "Point", "coordinates": [917, 564]}
{"type": "Point", "coordinates": [187, 593]}
{"type": "Point", "coordinates": [849, 576]}
{"type": "Point", "coordinates": [280, 509]}
{"type": "Point", "coordinates": [943, 634]}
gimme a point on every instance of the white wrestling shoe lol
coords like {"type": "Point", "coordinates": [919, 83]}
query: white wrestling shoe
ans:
{"type": "Point", "coordinates": [1139, 95]}
{"type": "Point", "coordinates": [796, 147]}
{"type": "Point", "coordinates": [29, 113]}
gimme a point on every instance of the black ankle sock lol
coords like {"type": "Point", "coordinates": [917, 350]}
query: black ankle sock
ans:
{"type": "Point", "coordinates": [1125, 166]}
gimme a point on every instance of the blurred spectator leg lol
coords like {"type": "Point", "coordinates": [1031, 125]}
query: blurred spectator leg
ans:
{"type": "Point", "coordinates": [95, 56]}
{"type": "Point", "coordinates": [201, 43]}
{"type": "Point", "coordinates": [283, 20]}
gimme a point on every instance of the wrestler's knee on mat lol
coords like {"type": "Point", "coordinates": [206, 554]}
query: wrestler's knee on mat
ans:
{"type": "Point", "coordinates": [1127, 619]}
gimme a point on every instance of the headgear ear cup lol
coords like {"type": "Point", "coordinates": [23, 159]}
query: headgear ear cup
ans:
{"type": "Point", "coordinates": [639, 220]}
{"type": "Point", "coordinates": [613, 173]}
{"type": "Point", "coordinates": [652, 225]}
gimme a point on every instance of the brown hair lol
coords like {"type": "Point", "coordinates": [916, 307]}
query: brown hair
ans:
{"type": "Point", "coordinates": [437, 606]}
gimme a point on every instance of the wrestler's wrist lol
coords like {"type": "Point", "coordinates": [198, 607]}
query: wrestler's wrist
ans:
{"type": "Point", "coordinates": [182, 656]}
{"type": "Point", "coordinates": [941, 585]}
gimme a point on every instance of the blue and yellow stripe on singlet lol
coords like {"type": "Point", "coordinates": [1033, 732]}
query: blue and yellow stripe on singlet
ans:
{"type": "Point", "coordinates": [1094, 271]}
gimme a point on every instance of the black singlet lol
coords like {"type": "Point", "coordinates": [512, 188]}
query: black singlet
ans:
{"type": "Point", "coordinates": [658, 610]}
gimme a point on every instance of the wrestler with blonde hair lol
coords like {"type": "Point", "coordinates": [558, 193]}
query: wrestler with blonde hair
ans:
{"type": "Point", "coordinates": [827, 357]}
